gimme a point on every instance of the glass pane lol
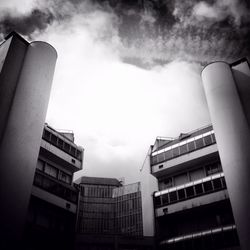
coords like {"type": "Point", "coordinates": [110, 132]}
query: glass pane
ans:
{"type": "Point", "coordinates": [198, 189]}
{"type": "Point", "coordinates": [173, 196]}
{"type": "Point", "coordinates": [175, 152]}
{"type": "Point", "coordinates": [181, 194]}
{"type": "Point", "coordinates": [168, 154]}
{"type": "Point", "coordinates": [165, 199]}
{"type": "Point", "coordinates": [183, 149]}
{"type": "Point", "coordinates": [160, 157]}
{"type": "Point", "coordinates": [199, 143]}
{"type": "Point", "coordinates": [191, 146]}
{"type": "Point", "coordinates": [217, 183]}
{"type": "Point", "coordinates": [190, 191]}
{"type": "Point", "coordinates": [208, 140]}
{"type": "Point", "coordinates": [208, 186]}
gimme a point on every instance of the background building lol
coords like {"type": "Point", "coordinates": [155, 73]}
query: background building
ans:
{"type": "Point", "coordinates": [110, 215]}
{"type": "Point", "coordinates": [26, 73]}
{"type": "Point", "coordinates": [53, 203]}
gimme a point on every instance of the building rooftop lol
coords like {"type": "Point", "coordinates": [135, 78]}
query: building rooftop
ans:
{"type": "Point", "coordinates": [98, 181]}
{"type": "Point", "coordinates": [160, 144]}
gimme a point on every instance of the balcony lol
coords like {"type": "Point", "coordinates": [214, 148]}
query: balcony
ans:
{"type": "Point", "coordinates": [196, 193]}
{"type": "Point", "coordinates": [223, 237]}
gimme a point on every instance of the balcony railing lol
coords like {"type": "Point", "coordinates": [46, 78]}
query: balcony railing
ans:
{"type": "Point", "coordinates": [223, 237]}
{"type": "Point", "coordinates": [183, 147]}
{"type": "Point", "coordinates": [62, 142]}
{"type": "Point", "coordinates": [190, 190]}
{"type": "Point", "coordinates": [50, 185]}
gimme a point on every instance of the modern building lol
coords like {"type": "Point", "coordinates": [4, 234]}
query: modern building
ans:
{"type": "Point", "coordinates": [191, 205]}
{"type": "Point", "coordinates": [227, 89]}
{"type": "Point", "coordinates": [26, 73]}
{"type": "Point", "coordinates": [110, 215]}
{"type": "Point", "coordinates": [53, 203]}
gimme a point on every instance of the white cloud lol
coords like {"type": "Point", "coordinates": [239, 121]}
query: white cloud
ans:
{"type": "Point", "coordinates": [115, 109]}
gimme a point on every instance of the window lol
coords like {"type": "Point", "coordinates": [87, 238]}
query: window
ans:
{"type": "Point", "coordinates": [191, 146]}
{"type": "Point", "coordinates": [173, 196]}
{"type": "Point", "coordinates": [199, 143]}
{"type": "Point", "coordinates": [190, 191]}
{"type": "Point", "coordinates": [212, 169]}
{"type": "Point", "coordinates": [168, 154]}
{"type": "Point", "coordinates": [65, 177]}
{"type": "Point", "coordinates": [165, 199]}
{"type": "Point", "coordinates": [208, 140]}
{"type": "Point", "coordinates": [217, 183]}
{"type": "Point", "coordinates": [198, 189]}
{"type": "Point", "coordinates": [208, 186]}
{"type": "Point", "coordinates": [181, 194]}
{"type": "Point", "coordinates": [183, 149]}
{"type": "Point", "coordinates": [54, 139]}
{"type": "Point", "coordinates": [50, 170]}
{"type": "Point", "coordinates": [40, 165]}
{"type": "Point", "coordinates": [160, 157]}
{"type": "Point", "coordinates": [176, 152]}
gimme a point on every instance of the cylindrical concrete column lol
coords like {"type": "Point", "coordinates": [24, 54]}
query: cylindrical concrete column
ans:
{"type": "Point", "coordinates": [22, 138]}
{"type": "Point", "coordinates": [233, 140]}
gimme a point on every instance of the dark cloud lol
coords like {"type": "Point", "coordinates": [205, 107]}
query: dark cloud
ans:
{"type": "Point", "coordinates": [37, 20]}
{"type": "Point", "coordinates": [153, 31]}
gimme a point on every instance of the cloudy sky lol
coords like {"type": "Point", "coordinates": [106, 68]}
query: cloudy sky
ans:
{"type": "Point", "coordinates": [129, 71]}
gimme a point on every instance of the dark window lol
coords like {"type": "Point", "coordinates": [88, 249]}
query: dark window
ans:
{"type": "Point", "coordinates": [168, 183]}
{"type": "Point", "coordinates": [160, 157]}
{"type": "Point", "coordinates": [190, 191]}
{"type": "Point", "coordinates": [181, 194]}
{"type": "Point", "coordinates": [208, 186]}
{"type": "Point", "coordinates": [217, 183]}
{"type": "Point", "coordinates": [160, 166]}
{"type": "Point", "coordinates": [173, 196]}
{"type": "Point", "coordinates": [198, 189]}
{"type": "Point", "coordinates": [175, 151]}
{"type": "Point", "coordinates": [199, 143]}
{"type": "Point", "coordinates": [50, 170]}
{"type": "Point", "coordinates": [191, 146]}
{"type": "Point", "coordinates": [66, 147]}
{"type": "Point", "coordinates": [168, 154]}
{"type": "Point", "coordinates": [213, 137]}
{"type": "Point", "coordinates": [54, 139]}
{"type": "Point", "coordinates": [60, 143]}
{"type": "Point", "coordinates": [212, 169]}
{"type": "Point", "coordinates": [165, 199]}
{"type": "Point", "coordinates": [223, 182]}
{"type": "Point", "coordinates": [208, 140]}
{"type": "Point", "coordinates": [40, 165]}
{"type": "Point", "coordinates": [183, 149]}
{"type": "Point", "coordinates": [46, 135]}
{"type": "Point", "coordinates": [158, 201]}
{"type": "Point", "coordinates": [154, 159]}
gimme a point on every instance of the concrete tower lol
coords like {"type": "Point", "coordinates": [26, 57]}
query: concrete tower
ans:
{"type": "Point", "coordinates": [227, 89]}
{"type": "Point", "coordinates": [26, 73]}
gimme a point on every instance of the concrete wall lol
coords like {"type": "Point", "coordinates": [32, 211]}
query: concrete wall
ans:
{"type": "Point", "coordinates": [27, 77]}
{"type": "Point", "coordinates": [148, 187]}
{"type": "Point", "coordinates": [228, 104]}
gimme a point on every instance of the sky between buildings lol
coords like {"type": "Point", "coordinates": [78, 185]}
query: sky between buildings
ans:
{"type": "Point", "coordinates": [129, 71]}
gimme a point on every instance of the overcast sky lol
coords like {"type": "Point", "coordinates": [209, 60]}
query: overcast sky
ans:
{"type": "Point", "coordinates": [129, 71]}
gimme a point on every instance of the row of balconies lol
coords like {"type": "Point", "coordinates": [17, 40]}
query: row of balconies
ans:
{"type": "Point", "coordinates": [183, 147]}
{"type": "Point", "coordinates": [191, 190]}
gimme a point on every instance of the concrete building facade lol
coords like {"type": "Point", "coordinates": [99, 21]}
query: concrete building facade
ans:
{"type": "Point", "coordinates": [52, 212]}
{"type": "Point", "coordinates": [191, 205]}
